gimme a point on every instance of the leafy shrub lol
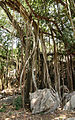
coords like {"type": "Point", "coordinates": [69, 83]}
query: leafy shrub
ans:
{"type": "Point", "coordinates": [3, 108]}
{"type": "Point", "coordinates": [10, 113]}
{"type": "Point", "coordinates": [18, 103]}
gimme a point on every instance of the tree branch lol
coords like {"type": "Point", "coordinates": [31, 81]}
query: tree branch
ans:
{"type": "Point", "coordinates": [16, 5]}
{"type": "Point", "coordinates": [42, 17]}
{"type": "Point", "coordinates": [62, 3]}
{"type": "Point", "coordinates": [14, 22]}
{"type": "Point", "coordinates": [5, 29]}
{"type": "Point", "coordinates": [4, 57]}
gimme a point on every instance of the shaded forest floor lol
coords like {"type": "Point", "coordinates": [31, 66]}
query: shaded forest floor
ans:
{"type": "Point", "coordinates": [9, 112]}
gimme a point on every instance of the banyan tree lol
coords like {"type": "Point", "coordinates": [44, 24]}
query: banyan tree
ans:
{"type": "Point", "coordinates": [47, 35]}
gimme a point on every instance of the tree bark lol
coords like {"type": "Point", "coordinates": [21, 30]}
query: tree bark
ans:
{"type": "Point", "coordinates": [45, 60]}
{"type": "Point", "coordinates": [56, 71]}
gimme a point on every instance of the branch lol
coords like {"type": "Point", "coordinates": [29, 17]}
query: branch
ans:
{"type": "Point", "coordinates": [46, 33]}
{"type": "Point", "coordinates": [5, 29]}
{"type": "Point", "coordinates": [14, 22]}
{"type": "Point", "coordinates": [62, 3]}
{"type": "Point", "coordinates": [9, 31]}
{"type": "Point", "coordinates": [26, 63]}
{"type": "Point", "coordinates": [16, 5]}
{"type": "Point", "coordinates": [4, 57]}
{"type": "Point", "coordinates": [43, 18]}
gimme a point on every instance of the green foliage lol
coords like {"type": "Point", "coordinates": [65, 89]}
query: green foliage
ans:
{"type": "Point", "coordinates": [18, 103]}
{"type": "Point", "coordinates": [10, 113]}
{"type": "Point", "coordinates": [3, 108]}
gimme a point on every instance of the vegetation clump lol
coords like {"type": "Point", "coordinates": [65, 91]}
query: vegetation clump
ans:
{"type": "Point", "coordinates": [3, 108]}
{"type": "Point", "coordinates": [18, 103]}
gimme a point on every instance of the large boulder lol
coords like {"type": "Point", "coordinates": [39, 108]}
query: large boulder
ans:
{"type": "Point", "coordinates": [44, 101]}
{"type": "Point", "coordinates": [70, 101]}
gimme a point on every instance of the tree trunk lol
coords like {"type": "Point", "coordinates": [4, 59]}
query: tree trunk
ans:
{"type": "Point", "coordinates": [56, 71]}
{"type": "Point", "coordinates": [69, 74]}
{"type": "Point", "coordinates": [34, 61]}
{"type": "Point", "coordinates": [45, 60]}
{"type": "Point", "coordinates": [27, 70]}
{"type": "Point", "coordinates": [70, 17]}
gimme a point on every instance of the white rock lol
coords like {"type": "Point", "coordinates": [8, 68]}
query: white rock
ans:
{"type": "Point", "coordinates": [43, 101]}
{"type": "Point", "coordinates": [1, 96]}
{"type": "Point", "coordinates": [70, 101]}
{"type": "Point", "coordinates": [73, 102]}
{"type": "Point", "coordinates": [67, 106]}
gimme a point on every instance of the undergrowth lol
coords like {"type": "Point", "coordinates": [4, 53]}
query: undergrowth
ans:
{"type": "Point", "coordinates": [3, 108]}
{"type": "Point", "coordinates": [18, 103]}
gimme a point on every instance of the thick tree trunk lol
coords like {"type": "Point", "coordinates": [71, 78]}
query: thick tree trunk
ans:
{"type": "Point", "coordinates": [56, 71]}
{"type": "Point", "coordinates": [45, 60]}
{"type": "Point", "coordinates": [73, 72]}
{"type": "Point", "coordinates": [69, 74]}
{"type": "Point", "coordinates": [70, 17]}
{"type": "Point", "coordinates": [34, 61]}
{"type": "Point", "coordinates": [26, 76]}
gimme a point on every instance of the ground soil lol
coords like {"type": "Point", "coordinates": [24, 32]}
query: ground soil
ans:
{"type": "Point", "coordinates": [12, 114]}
